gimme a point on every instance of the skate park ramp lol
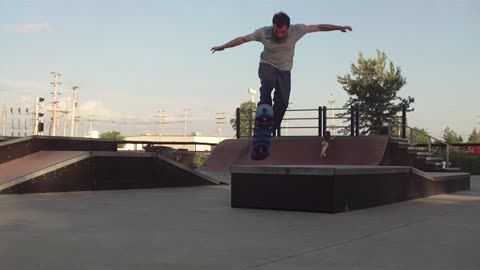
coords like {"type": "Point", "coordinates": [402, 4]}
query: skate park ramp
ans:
{"type": "Point", "coordinates": [26, 167]}
{"type": "Point", "coordinates": [301, 150]}
{"type": "Point", "coordinates": [357, 173]}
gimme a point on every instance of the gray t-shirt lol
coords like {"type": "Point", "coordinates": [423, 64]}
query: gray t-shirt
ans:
{"type": "Point", "coordinates": [279, 53]}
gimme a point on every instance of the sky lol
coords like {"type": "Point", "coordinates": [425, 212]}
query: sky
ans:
{"type": "Point", "coordinates": [135, 59]}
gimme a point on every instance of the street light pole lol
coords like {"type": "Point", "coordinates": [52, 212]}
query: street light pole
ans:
{"type": "Point", "coordinates": [252, 93]}
{"type": "Point", "coordinates": [332, 107]}
{"type": "Point", "coordinates": [286, 119]}
{"type": "Point", "coordinates": [74, 106]}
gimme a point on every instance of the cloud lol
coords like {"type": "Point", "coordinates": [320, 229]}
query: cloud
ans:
{"type": "Point", "coordinates": [94, 109]}
{"type": "Point", "coordinates": [34, 27]}
{"type": "Point", "coordinates": [28, 28]}
{"type": "Point", "coordinates": [13, 87]}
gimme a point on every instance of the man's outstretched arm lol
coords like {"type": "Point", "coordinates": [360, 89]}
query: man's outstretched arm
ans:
{"type": "Point", "coordinates": [328, 27]}
{"type": "Point", "coordinates": [235, 42]}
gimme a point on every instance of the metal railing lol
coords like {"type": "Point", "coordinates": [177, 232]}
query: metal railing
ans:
{"type": "Point", "coordinates": [322, 117]}
{"type": "Point", "coordinates": [447, 145]}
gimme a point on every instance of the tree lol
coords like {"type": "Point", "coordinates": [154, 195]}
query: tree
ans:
{"type": "Point", "coordinates": [420, 136]}
{"type": "Point", "coordinates": [450, 136]}
{"type": "Point", "coordinates": [474, 137]}
{"type": "Point", "coordinates": [373, 86]}
{"type": "Point", "coordinates": [113, 135]}
{"type": "Point", "coordinates": [247, 116]}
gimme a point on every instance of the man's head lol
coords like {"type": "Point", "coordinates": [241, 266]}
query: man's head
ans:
{"type": "Point", "coordinates": [281, 24]}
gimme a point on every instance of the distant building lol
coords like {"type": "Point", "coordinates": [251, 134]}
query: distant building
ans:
{"type": "Point", "coordinates": [194, 137]}
{"type": "Point", "coordinates": [94, 134]}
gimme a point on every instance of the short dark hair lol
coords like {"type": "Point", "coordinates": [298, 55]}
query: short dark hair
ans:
{"type": "Point", "coordinates": [281, 19]}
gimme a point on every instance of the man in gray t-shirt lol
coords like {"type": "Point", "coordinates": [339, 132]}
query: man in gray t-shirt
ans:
{"type": "Point", "coordinates": [276, 60]}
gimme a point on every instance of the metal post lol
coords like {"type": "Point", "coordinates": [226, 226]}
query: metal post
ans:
{"type": "Point", "coordinates": [352, 121]}
{"type": "Point", "coordinates": [448, 157]}
{"type": "Point", "coordinates": [35, 126]}
{"type": "Point", "coordinates": [357, 120]}
{"type": "Point", "coordinates": [250, 118]}
{"type": "Point", "coordinates": [320, 121]}
{"type": "Point", "coordinates": [74, 106]}
{"type": "Point", "coordinates": [324, 120]}
{"type": "Point", "coordinates": [238, 122]}
{"type": "Point", "coordinates": [411, 138]}
{"type": "Point", "coordinates": [404, 121]}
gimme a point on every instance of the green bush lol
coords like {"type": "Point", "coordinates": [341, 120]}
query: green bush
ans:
{"type": "Point", "coordinates": [199, 160]}
{"type": "Point", "coordinates": [466, 162]}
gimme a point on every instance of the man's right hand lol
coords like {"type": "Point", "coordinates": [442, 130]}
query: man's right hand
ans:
{"type": "Point", "coordinates": [217, 48]}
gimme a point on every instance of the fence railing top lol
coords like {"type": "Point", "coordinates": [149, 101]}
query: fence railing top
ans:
{"type": "Point", "coordinates": [429, 136]}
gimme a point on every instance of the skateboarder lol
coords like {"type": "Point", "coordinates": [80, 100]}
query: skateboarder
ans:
{"type": "Point", "coordinates": [276, 60]}
{"type": "Point", "coordinates": [325, 143]}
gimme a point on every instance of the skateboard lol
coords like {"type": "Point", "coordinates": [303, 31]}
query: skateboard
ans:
{"type": "Point", "coordinates": [262, 132]}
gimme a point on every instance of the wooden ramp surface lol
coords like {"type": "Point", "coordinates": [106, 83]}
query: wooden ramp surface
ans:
{"type": "Point", "coordinates": [33, 163]}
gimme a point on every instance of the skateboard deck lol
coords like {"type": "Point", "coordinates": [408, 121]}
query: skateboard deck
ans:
{"type": "Point", "coordinates": [262, 134]}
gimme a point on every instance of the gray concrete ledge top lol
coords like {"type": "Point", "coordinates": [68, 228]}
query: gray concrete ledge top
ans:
{"type": "Point", "coordinates": [440, 176]}
{"type": "Point", "coordinates": [318, 169]}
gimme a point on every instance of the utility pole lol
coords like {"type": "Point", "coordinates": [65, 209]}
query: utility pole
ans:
{"type": "Point", "coordinates": [55, 102]}
{"type": "Point", "coordinates": [4, 114]}
{"type": "Point", "coordinates": [74, 106]}
{"type": "Point", "coordinates": [13, 125]}
{"type": "Point", "coordinates": [91, 119]}
{"type": "Point", "coordinates": [4, 122]}
{"type": "Point", "coordinates": [25, 121]}
{"type": "Point", "coordinates": [220, 120]}
{"type": "Point", "coordinates": [332, 107]}
{"type": "Point", "coordinates": [77, 120]}
{"type": "Point", "coordinates": [252, 93]}
{"type": "Point", "coordinates": [19, 126]}
{"type": "Point", "coordinates": [35, 117]}
{"type": "Point", "coordinates": [185, 119]}
{"type": "Point", "coordinates": [161, 122]}
{"type": "Point", "coordinates": [65, 121]}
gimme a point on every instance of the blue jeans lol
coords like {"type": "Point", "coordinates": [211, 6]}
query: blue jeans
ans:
{"type": "Point", "coordinates": [273, 78]}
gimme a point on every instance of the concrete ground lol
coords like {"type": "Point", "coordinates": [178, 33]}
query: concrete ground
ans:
{"type": "Point", "coordinates": [195, 228]}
